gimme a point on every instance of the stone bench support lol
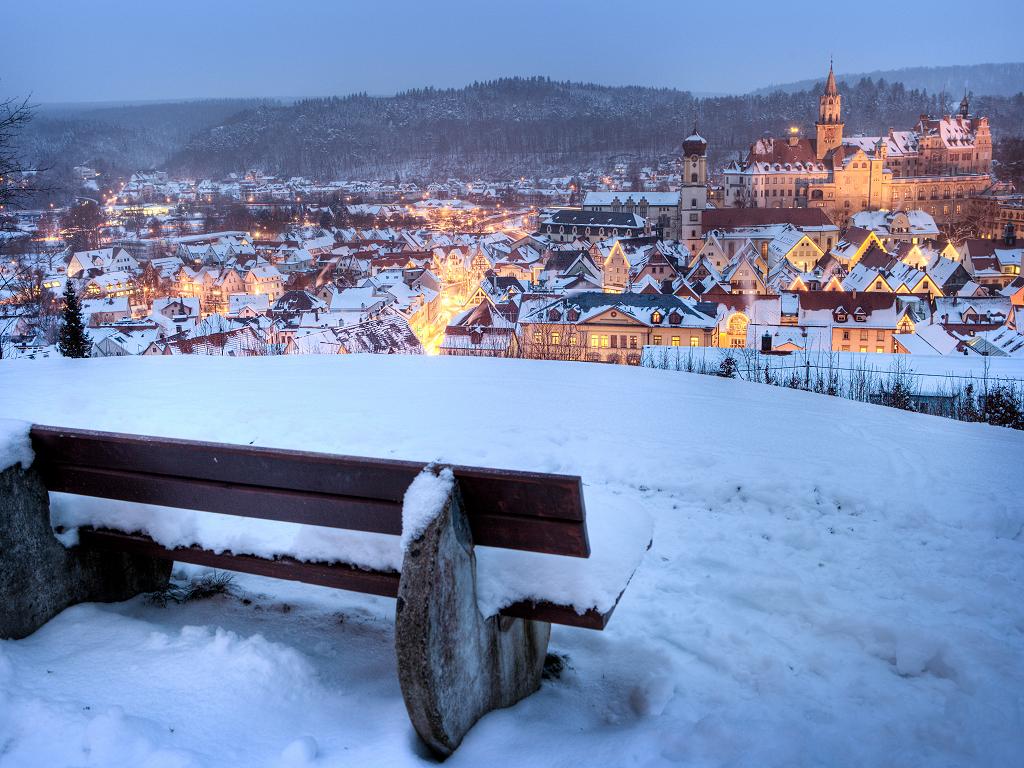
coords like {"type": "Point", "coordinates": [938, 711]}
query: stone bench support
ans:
{"type": "Point", "coordinates": [39, 577]}
{"type": "Point", "coordinates": [454, 665]}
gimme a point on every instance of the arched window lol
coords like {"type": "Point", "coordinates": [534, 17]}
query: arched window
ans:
{"type": "Point", "coordinates": [738, 324]}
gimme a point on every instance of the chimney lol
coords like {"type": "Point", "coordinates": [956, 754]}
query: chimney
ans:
{"type": "Point", "coordinates": [766, 342]}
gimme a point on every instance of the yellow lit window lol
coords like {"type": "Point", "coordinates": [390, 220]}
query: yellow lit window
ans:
{"type": "Point", "coordinates": [657, 340]}
{"type": "Point", "coordinates": [555, 338]}
{"type": "Point", "coordinates": [694, 341]}
{"type": "Point", "coordinates": [675, 341]}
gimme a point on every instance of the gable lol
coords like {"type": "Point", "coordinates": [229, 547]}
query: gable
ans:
{"type": "Point", "coordinates": [615, 316]}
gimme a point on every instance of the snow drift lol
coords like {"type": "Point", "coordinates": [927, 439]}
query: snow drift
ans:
{"type": "Point", "coordinates": [830, 582]}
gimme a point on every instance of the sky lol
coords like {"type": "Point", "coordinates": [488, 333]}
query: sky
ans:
{"type": "Point", "coordinates": [121, 50]}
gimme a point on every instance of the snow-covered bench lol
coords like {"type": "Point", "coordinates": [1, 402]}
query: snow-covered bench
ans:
{"type": "Point", "coordinates": [454, 663]}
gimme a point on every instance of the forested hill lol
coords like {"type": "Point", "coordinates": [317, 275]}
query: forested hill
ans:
{"type": "Point", "coordinates": [515, 126]}
{"type": "Point", "coordinates": [124, 137]}
{"type": "Point", "coordinates": [991, 79]}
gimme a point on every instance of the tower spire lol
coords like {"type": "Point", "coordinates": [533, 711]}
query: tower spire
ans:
{"type": "Point", "coordinates": [830, 83]}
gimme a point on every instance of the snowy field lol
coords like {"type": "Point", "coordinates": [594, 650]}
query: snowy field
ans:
{"type": "Point", "coordinates": [831, 583]}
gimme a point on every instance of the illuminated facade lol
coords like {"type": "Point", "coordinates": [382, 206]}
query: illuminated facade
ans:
{"type": "Point", "coordinates": [934, 167]}
{"type": "Point", "coordinates": [599, 327]}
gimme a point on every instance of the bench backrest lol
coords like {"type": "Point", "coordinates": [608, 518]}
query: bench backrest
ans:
{"type": "Point", "coordinates": [530, 511]}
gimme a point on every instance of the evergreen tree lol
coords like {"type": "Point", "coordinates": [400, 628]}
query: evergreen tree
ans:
{"type": "Point", "coordinates": [899, 396]}
{"type": "Point", "coordinates": [1002, 408]}
{"type": "Point", "coordinates": [728, 367]}
{"type": "Point", "coordinates": [72, 341]}
{"type": "Point", "coordinates": [968, 410]}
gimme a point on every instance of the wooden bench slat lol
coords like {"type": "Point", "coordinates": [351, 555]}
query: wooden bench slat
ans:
{"type": "Point", "coordinates": [226, 498]}
{"type": "Point", "coordinates": [336, 575]}
{"type": "Point", "coordinates": [556, 537]}
{"type": "Point", "coordinates": [496, 491]}
{"type": "Point", "coordinates": [510, 510]}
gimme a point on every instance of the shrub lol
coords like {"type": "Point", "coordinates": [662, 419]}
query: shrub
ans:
{"type": "Point", "coordinates": [203, 588]}
{"type": "Point", "coordinates": [727, 368]}
{"type": "Point", "coordinates": [1002, 407]}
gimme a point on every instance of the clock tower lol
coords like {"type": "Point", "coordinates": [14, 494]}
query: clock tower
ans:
{"type": "Point", "coordinates": [693, 192]}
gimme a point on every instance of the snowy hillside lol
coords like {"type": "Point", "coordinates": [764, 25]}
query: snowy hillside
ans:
{"type": "Point", "coordinates": [992, 79]}
{"type": "Point", "coordinates": [831, 583]}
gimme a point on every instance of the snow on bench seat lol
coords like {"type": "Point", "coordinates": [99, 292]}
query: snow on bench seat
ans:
{"type": "Point", "coordinates": [619, 536]}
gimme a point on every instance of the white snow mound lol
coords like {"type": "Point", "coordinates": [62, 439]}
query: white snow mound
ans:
{"type": "Point", "coordinates": [830, 583]}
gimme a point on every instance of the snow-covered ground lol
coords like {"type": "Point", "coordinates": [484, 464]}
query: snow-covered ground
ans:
{"type": "Point", "coordinates": [925, 374]}
{"type": "Point", "coordinates": [831, 583]}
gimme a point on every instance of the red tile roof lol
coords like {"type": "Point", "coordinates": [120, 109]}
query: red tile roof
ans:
{"type": "Point", "coordinates": [733, 218]}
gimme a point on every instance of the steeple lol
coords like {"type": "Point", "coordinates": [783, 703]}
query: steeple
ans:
{"type": "Point", "coordinates": [965, 106]}
{"type": "Point", "coordinates": [830, 83]}
{"type": "Point", "coordinates": [830, 116]}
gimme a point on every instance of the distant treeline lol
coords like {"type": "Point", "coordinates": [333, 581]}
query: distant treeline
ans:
{"type": "Point", "coordinates": [122, 139]}
{"type": "Point", "coordinates": [513, 126]}
{"type": "Point", "coordinates": [994, 79]}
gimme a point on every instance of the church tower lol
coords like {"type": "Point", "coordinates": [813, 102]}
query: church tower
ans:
{"type": "Point", "coordinates": [830, 117]}
{"type": "Point", "coordinates": [693, 192]}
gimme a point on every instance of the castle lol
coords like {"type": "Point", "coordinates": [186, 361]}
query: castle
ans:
{"type": "Point", "coordinates": [934, 167]}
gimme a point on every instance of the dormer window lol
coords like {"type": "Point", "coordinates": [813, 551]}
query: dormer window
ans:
{"type": "Point", "coordinates": [656, 317]}
{"type": "Point", "coordinates": [675, 318]}
{"type": "Point", "coordinates": [554, 314]}
{"type": "Point", "coordinates": [859, 316]}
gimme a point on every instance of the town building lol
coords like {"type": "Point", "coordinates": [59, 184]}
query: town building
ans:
{"type": "Point", "coordinates": [567, 225]}
{"type": "Point", "coordinates": [996, 208]}
{"type": "Point", "coordinates": [936, 166]}
{"type": "Point", "coordinates": [602, 327]}
{"type": "Point", "coordinates": [670, 215]}
{"type": "Point", "coordinates": [893, 227]}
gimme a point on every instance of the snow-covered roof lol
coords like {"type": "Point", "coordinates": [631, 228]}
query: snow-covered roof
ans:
{"type": "Point", "coordinates": [631, 198]}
